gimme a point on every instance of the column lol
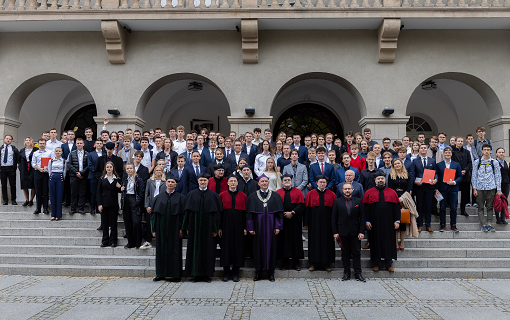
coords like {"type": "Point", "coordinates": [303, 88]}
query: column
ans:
{"type": "Point", "coordinates": [10, 126]}
{"type": "Point", "coordinates": [500, 134]}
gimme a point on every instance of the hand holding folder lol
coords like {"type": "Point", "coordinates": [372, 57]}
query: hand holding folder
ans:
{"type": "Point", "coordinates": [428, 176]}
{"type": "Point", "coordinates": [45, 162]}
{"type": "Point", "coordinates": [449, 175]}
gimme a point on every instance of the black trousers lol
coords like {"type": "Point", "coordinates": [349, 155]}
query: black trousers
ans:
{"type": "Point", "coordinates": [68, 190]}
{"type": "Point", "coordinates": [351, 245]}
{"type": "Point", "coordinates": [465, 195]}
{"type": "Point", "coordinates": [8, 172]}
{"type": "Point", "coordinates": [424, 196]}
{"type": "Point", "coordinates": [132, 221]}
{"type": "Point", "coordinates": [78, 190]}
{"type": "Point", "coordinates": [41, 181]}
{"type": "Point", "coordinates": [109, 221]}
{"type": "Point", "coordinates": [146, 227]}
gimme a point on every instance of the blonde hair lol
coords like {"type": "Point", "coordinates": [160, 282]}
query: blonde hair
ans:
{"type": "Point", "coordinates": [393, 173]}
{"type": "Point", "coordinates": [134, 171]}
{"type": "Point", "coordinates": [163, 177]}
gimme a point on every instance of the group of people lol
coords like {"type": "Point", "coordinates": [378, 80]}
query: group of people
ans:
{"type": "Point", "coordinates": [253, 196]}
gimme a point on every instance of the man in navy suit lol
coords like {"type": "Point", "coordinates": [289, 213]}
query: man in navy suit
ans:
{"type": "Point", "coordinates": [303, 151]}
{"type": "Point", "coordinates": [424, 191]}
{"type": "Point", "coordinates": [192, 172]}
{"type": "Point", "coordinates": [190, 144]}
{"type": "Point", "coordinates": [322, 168]}
{"type": "Point", "coordinates": [346, 165]}
{"type": "Point", "coordinates": [249, 148]}
{"type": "Point", "coordinates": [66, 150]}
{"type": "Point", "coordinates": [91, 162]}
{"type": "Point", "coordinates": [180, 173]}
{"type": "Point", "coordinates": [209, 155]}
{"type": "Point", "coordinates": [408, 164]}
{"type": "Point", "coordinates": [449, 190]}
{"type": "Point", "coordinates": [233, 158]}
{"type": "Point", "coordinates": [229, 149]}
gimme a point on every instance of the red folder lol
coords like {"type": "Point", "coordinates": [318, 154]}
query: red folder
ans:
{"type": "Point", "coordinates": [44, 162]}
{"type": "Point", "coordinates": [449, 175]}
{"type": "Point", "coordinates": [428, 176]}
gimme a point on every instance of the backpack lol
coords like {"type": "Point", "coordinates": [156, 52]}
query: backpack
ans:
{"type": "Point", "coordinates": [492, 165]}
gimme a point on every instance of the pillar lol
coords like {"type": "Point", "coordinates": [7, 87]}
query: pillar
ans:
{"type": "Point", "coordinates": [500, 133]}
{"type": "Point", "coordinates": [246, 123]}
{"type": "Point", "coordinates": [121, 123]}
{"type": "Point", "coordinates": [10, 126]}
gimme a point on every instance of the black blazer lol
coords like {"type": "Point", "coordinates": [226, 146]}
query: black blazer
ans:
{"type": "Point", "coordinates": [139, 190]}
{"type": "Point", "coordinates": [226, 166]}
{"type": "Point", "coordinates": [173, 158]}
{"type": "Point", "coordinates": [118, 164]}
{"type": "Point", "coordinates": [107, 193]}
{"type": "Point", "coordinates": [463, 157]}
{"type": "Point", "coordinates": [344, 224]}
{"type": "Point", "coordinates": [505, 173]}
{"type": "Point", "coordinates": [26, 171]}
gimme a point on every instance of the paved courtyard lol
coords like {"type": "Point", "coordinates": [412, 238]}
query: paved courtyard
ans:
{"type": "Point", "coordinates": [113, 298]}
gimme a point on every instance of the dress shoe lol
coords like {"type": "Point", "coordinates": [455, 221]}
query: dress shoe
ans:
{"type": "Point", "coordinates": [14, 203]}
{"type": "Point", "coordinates": [419, 229]}
{"type": "Point", "coordinates": [312, 268]}
{"type": "Point", "coordinates": [25, 204]}
{"type": "Point", "coordinates": [465, 214]}
{"type": "Point", "coordinates": [158, 279]}
{"type": "Point", "coordinates": [346, 276]}
{"type": "Point", "coordinates": [45, 211]}
{"type": "Point", "coordinates": [207, 279]}
{"type": "Point", "coordinates": [284, 268]}
{"type": "Point", "coordinates": [127, 246]}
{"type": "Point", "coordinates": [375, 268]}
{"type": "Point", "coordinates": [5, 203]}
{"type": "Point", "coordinates": [359, 277]}
{"type": "Point", "coordinates": [367, 246]}
{"type": "Point", "coordinates": [297, 268]}
{"type": "Point", "coordinates": [100, 228]}
{"type": "Point", "coordinates": [390, 269]}
{"type": "Point", "coordinates": [92, 212]}
{"type": "Point", "coordinates": [327, 269]}
{"type": "Point", "coordinates": [81, 211]}
{"type": "Point", "coordinates": [226, 277]}
{"type": "Point", "coordinates": [271, 278]}
{"type": "Point", "coordinates": [257, 277]}
{"type": "Point", "coordinates": [235, 277]}
{"type": "Point", "coordinates": [195, 279]}
{"type": "Point", "coordinates": [113, 245]}
{"type": "Point", "coordinates": [37, 211]}
{"type": "Point", "coordinates": [30, 203]}
{"type": "Point", "coordinates": [175, 280]}
{"type": "Point", "coordinates": [66, 205]}
{"type": "Point", "coordinates": [429, 229]}
{"type": "Point", "coordinates": [102, 245]}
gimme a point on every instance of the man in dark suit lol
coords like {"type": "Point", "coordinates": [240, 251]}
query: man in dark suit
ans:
{"type": "Point", "coordinates": [209, 155]}
{"type": "Point", "coordinates": [303, 151]}
{"type": "Point", "coordinates": [9, 158]}
{"type": "Point", "coordinates": [463, 157]}
{"type": "Point", "coordinates": [322, 168]}
{"type": "Point", "coordinates": [219, 155]}
{"type": "Point", "coordinates": [329, 145]}
{"type": "Point", "coordinates": [449, 190]}
{"type": "Point", "coordinates": [78, 170]}
{"type": "Point", "coordinates": [190, 145]}
{"type": "Point", "coordinates": [141, 170]}
{"type": "Point", "coordinates": [249, 148]}
{"type": "Point", "coordinates": [348, 225]}
{"type": "Point", "coordinates": [424, 191]}
{"type": "Point", "coordinates": [246, 184]}
{"type": "Point", "coordinates": [92, 158]}
{"type": "Point", "coordinates": [192, 172]}
{"type": "Point", "coordinates": [229, 147]}
{"type": "Point", "coordinates": [233, 158]}
{"type": "Point", "coordinates": [118, 164]}
{"type": "Point", "coordinates": [67, 148]}
{"type": "Point", "coordinates": [180, 173]}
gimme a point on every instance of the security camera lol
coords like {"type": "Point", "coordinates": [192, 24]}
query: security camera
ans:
{"type": "Point", "coordinates": [250, 111]}
{"type": "Point", "coordinates": [388, 111]}
{"type": "Point", "coordinates": [114, 112]}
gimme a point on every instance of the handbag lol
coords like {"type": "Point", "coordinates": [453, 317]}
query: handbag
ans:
{"type": "Point", "coordinates": [405, 216]}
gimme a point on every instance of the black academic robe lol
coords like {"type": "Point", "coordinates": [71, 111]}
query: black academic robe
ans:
{"type": "Point", "coordinates": [233, 224]}
{"type": "Point", "coordinates": [264, 219]}
{"type": "Point", "coordinates": [202, 219]}
{"type": "Point", "coordinates": [382, 209]}
{"type": "Point", "coordinates": [166, 223]}
{"type": "Point", "coordinates": [290, 242]}
{"type": "Point", "coordinates": [321, 244]}
{"type": "Point", "coordinates": [247, 188]}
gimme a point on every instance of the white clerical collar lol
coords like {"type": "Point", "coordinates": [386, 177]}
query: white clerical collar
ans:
{"type": "Point", "coordinates": [202, 189]}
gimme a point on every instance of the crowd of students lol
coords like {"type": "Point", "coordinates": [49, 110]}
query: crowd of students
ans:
{"type": "Point", "coordinates": [332, 177]}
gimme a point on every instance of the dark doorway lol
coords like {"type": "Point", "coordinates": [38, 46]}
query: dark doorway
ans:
{"type": "Point", "coordinates": [307, 118]}
{"type": "Point", "coordinates": [82, 119]}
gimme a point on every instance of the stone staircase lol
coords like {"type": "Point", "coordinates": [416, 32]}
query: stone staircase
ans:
{"type": "Point", "coordinates": [33, 245]}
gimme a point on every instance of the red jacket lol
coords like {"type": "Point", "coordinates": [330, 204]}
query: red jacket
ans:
{"type": "Point", "coordinates": [501, 205]}
{"type": "Point", "coordinates": [359, 163]}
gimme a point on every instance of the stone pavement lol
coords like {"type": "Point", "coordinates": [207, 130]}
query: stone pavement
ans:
{"type": "Point", "coordinates": [113, 298]}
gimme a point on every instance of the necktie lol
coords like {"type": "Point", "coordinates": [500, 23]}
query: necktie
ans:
{"type": "Point", "coordinates": [197, 171]}
{"type": "Point", "coordinates": [295, 169]}
{"type": "Point", "coordinates": [424, 162]}
{"type": "Point", "coordinates": [228, 151]}
{"type": "Point", "coordinates": [5, 153]}
{"type": "Point", "coordinates": [180, 172]}
{"type": "Point", "coordinates": [189, 156]}
{"type": "Point", "coordinates": [212, 155]}
{"type": "Point", "coordinates": [322, 168]}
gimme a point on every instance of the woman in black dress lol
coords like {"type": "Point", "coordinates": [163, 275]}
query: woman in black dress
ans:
{"type": "Point", "coordinates": [108, 188]}
{"type": "Point", "coordinates": [26, 171]}
{"type": "Point", "coordinates": [400, 181]}
{"type": "Point", "coordinates": [505, 181]}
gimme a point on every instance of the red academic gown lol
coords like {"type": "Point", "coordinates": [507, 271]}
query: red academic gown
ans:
{"type": "Point", "coordinates": [233, 224]}
{"type": "Point", "coordinates": [217, 187]}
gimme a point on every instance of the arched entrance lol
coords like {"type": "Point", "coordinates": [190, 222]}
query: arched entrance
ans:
{"type": "Point", "coordinates": [417, 125]}
{"type": "Point", "coordinates": [184, 99]}
{"type": "Point", "coordinates": [82, 119]}
{"type": "Point", "coordinates": [307, 118]}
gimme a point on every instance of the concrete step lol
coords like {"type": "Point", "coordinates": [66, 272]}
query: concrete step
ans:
{"type": "Point", "coordinates": [78, 260]}
{"type": "Point", "coordinates": [74, 250]}
{"type": "Point", "coordinates": [82, 224]}
{"type": "Point", "coordinates": [456, 243]}
{"type": "Point", "coordinates": [424, 235]}
{"type": "Point", "coordinates": [77, 270]}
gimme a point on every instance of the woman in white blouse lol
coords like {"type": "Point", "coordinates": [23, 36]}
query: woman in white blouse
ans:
{"type": "Point", "coordinates": [155, 185]}
{"type": "Point", "coordinates": [57, 174]}
{"type": "Point", "coordinates": [265, 152]}
{"type": "Point", "coordinates": [275, 179]}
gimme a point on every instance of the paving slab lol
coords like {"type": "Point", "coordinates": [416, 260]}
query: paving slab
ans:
{"type": "Point", "coordinates": [436, 290]}
{"type": "Point", "coordinates": [470, 313]}
{"type": "Point", "coordinates": [21, 311]}
{"type": "Point", "coordinates": [99, 312]}
{"type": "Point", "coordinates": [55, 287]}
{"type": "Point", "coordinates": [191, 312]}
{"type": "Point", "coordinates": [128, 288]}
{"type": "Point", "coordinates": [294, 313]}
{"type": "Point", "coordinates": [358, 313]}
{"type": "Point", "coordinates": [282, 290]}
{"type": "Point", "coordinates": [202, 290]}
{"type": "Point", "coordinates": [499, 288]}
{"type": "Point", "coordinates": [7, 281]}
{"type": "Point", "coordinates": [356, 290]}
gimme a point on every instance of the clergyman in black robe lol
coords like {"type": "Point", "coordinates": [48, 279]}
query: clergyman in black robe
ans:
{"type": "Point", "coordinates": [166, 222]}
{"type": "Point", "coordinates": [382, 210]}
{"type": "Point", "coordinates": [248, 186]}
{"type": "Point", "coordinates": [232, 230]}
{"type": "Point", "coordinates": [290, 243]}
{"type": "Point", "coordinates": [321, 244]}
{"type": "Point", "coordinates": [201, 221]}
{"type": "Point", "coordinates": [264, 220]}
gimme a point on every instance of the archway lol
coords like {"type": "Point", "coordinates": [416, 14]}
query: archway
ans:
{"type": "Point", "coordinates": [177, 100]}
{"type": "Point", "coordinates": [449, 101]}
{"type": "Point", "coordinates": [82, 119]}
{"type": "Point", "coordinates": [335, 100]}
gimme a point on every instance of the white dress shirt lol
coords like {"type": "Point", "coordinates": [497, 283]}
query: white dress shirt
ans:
{"type": "Point", "coordinates": [52, 145]}
{"type": "Point", "coordinates": [10, 156]}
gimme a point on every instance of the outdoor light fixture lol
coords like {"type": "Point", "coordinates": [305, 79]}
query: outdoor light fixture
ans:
{"type": "Point", "coordinates": [249, 111]}
{"type": "Point", "coordinates": [114, 112]}
{"type": "Point", "coordinates": [195, 86]}
{"type": "Point", "coordinates": [429, 85]}
{"type": "Point", "coordinates": [388, 111]}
